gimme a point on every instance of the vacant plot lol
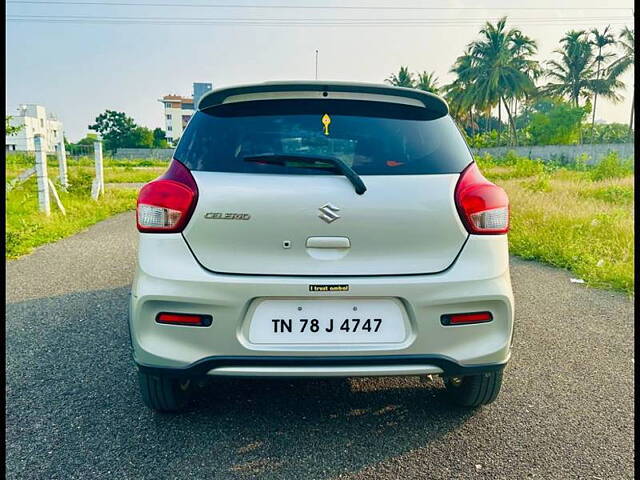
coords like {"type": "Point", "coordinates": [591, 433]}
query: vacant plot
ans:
{"type": "Point", "coordinates": [573, 216]}
{"type": "Point", "coordinates": [570, 216]}
{"type": "Point", "coordinates": [27, 228]}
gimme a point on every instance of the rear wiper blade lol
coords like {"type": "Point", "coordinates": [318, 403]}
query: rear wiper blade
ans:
{"type": "Point", "coordinates": [311, 161]}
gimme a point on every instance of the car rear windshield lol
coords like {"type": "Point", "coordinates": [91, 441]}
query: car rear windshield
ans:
{"type": "Point", "coordinates": [373, 138]}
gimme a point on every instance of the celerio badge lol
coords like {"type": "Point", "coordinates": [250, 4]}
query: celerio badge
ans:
{"type": "Point", "coordinates": [226, 216]}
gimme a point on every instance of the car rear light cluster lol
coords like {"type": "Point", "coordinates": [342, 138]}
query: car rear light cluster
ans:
{"type": "Point", "coordinates": [184, 319]}
{"type": "Point", "coordinates": [483, 206]}
{"type": "Point", "coordinates": [465, 318]}
{"type": "Point", "coordinates": [166, 204]}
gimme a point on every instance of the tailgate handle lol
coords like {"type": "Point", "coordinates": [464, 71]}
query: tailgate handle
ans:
{"type": "Point", "coordinates": [328, 242]}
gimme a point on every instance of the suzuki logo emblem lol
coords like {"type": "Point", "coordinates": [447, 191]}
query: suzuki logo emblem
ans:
{"type": "Point", "coordinates": [328, 213]}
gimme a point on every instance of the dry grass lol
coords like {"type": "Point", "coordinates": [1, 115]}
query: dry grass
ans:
{"type": "Point", "coordinates": [582, 225]}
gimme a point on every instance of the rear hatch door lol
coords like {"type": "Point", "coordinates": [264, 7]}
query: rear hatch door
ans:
{"type": "Point", "coordinates": [254, 218]}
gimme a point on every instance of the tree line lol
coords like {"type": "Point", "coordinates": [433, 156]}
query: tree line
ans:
{"type": "Point", "coordinates": [117, 130]}
{"type": "Point", "coordinates": [497, 70]}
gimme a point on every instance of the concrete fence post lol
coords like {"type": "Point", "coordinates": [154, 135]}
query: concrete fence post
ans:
{"type": "Point", "coordinates": [42, 177]}
{"type": "Point", "coordinates": [98, 184]}
{"type": "Point", "coordinates": [62, 165]}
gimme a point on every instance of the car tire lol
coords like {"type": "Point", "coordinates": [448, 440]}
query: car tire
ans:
{"type": "Point", "coordinates": [474, 390]}
{"type": "Point", "coordinates": [164, 394]}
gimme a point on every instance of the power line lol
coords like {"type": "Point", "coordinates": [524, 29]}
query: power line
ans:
{"type": "Point", "coordinates": [284, 23]}
{"type": "Point", "coordinates": [331, 20]}
{"type": "Point", "coordinates": [301, 7]}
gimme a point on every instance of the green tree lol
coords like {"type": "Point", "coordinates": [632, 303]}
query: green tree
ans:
{"type": "Point", "coordinates": [459, 93]}
{"type": "Point", "coordinates": [571, 76]}
{"type": "Point", "coordinates": [501, 67]}
{"type": "Point", "coordinates": [626, 41]}
{"type": "Point", "coordinates": [403, 79]}
{"type": "Point", "coordinates": [11, 129]}
{"type": "Point", "coordinates": [555, 122]}
{"type": "Point", "coordinates": [139, 137]}
{"type": "Point", "coordinates": [116, 129]}
{"type": "Point", "coordinates": [160, 139]}
{"type": "Point", "coordinates": [600, 40]}
{"type": "Point", "coordinates": [428, 82]}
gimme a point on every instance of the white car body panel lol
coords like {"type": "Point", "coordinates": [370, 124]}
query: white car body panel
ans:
{"type": "Point", "coordinates": [411, 214]}
{"type": "Point", "coordinates": [168, 278]}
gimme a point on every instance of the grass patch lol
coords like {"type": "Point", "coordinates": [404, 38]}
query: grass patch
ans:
{"type": "Point", "coordinates": [614, 194]}
{"type": "Point", "coordinates": [567, 219]}
{"type": "Point", "coordinates": [27, 228]}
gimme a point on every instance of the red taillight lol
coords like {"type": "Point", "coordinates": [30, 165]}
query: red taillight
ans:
{"type": "Point", "coordinates": [184, 319]}
{"type": "Point", "coordinates": [483, 206]}
{"type": "Point", "coordinates": [466, 318]}
{"type": "Point", "coordinates": [166, 204]}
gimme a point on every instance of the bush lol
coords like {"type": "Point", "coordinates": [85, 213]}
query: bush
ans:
{"type": "Point", "coordinates": [511, 158]}
{"type": "Point", "coordinates": [607, 133]}
{"type": "Point", "coordinates": [611, 166]}
{"type": "Point", "coordinates": [485, 161]}
{"type": "Point", "coordinates": [539, 185]}
{"type": "Point", "coordinates": [615, 194]}
{"type": "Point", "coordinates": [526, 167]}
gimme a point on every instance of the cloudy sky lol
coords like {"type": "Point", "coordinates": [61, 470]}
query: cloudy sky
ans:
{"type": "Point", "coordinates": [92, 60]}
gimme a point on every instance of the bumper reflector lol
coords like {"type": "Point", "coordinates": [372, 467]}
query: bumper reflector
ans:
{"type": "Point", "coordinates": [184, 319]}
{"type": "Point", "coordinates": [465, 318]}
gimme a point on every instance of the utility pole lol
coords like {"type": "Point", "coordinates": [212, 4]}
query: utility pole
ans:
{"type": "Point", "coordinates": [316, 64]}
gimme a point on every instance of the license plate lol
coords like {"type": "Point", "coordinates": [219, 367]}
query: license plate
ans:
{"type": "Point", "coordinates": [328, 321]}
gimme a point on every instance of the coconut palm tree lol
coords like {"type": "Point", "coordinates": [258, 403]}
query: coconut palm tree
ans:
{"type": "Point", "coordinates": [403, 79]}
{"type": "Point", "coordinates": [572, 76]}
{"type": "Point", "coordinates": [459, 93]}
{"type": "Point", "coordinates": [428, 82]}
{"type": "Point", "coordinates": [575, 75]}
{"type": "Point", "coordinates": [600, 40]}
{"type": "Point", "coordinates": [502, 67]}
{"type": "Point", "coordinates": [626, 41]}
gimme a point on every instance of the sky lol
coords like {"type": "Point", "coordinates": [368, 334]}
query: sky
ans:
{"type": "Point", "coordinates": [79, 69]}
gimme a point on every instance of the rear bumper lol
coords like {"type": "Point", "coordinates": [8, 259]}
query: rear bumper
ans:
{"type": "Point", "coordinates": [307, 366]}
{"type": "Point", "coordinates": [169, 279]}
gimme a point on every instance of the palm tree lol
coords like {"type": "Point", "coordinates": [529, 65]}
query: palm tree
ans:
{"type": "Point", "coordinates": [459, 93]}
{"type": "Point", "coordinates": [502, 67]}
{"type": "Point", "coordinates": [571, 76]}
{"type": "Point", "coordinates": [626, 41]}
{"type": "Point", "coordinates": [601, 40]}
{"type": "Point", "coordinates": [523, 47]}
{"type": "Point", "coordinates": [575, 75]}
{"type": "Point", "coordinates": [428, 82]}
{"type": "Point", "coordinates": [403, 79]}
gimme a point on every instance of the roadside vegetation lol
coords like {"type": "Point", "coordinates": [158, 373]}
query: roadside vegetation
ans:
{"type": "Point", "coordinates": [571, 215]}
{"type": "Point", "coordinates": [27, 228]}
{"type": "Point", "coordinates": [502, 96]}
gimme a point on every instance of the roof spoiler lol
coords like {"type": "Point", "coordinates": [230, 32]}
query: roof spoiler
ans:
{"type": "Point", "coordinates": [329, 90]}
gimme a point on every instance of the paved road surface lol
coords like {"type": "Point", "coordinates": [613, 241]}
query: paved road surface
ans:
{"type": "Point", "coordinates": [73, 409]}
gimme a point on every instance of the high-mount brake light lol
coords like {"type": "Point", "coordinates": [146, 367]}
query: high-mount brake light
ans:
{"type": "Point", "coordinates": [166, 204]}
{"type": "Point", "coordinates": [483, 206]}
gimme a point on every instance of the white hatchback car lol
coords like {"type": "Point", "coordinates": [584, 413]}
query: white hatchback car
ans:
{"type": "Point", "coordinates": [321, 229]}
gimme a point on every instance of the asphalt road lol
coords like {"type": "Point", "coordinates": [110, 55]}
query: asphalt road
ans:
{"type": "Point", "coordinates": [74, 412]}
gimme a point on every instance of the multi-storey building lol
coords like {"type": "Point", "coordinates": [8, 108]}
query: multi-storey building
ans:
{"type": "Point", "coordinates": [34, 120]}
{"type": "Point", "coordinates": [178, 110]}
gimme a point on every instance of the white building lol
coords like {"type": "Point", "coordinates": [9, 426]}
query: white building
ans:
{"type": "Point", "coordinates": [178, 110]}
{"type": "Point", "coordinates": [35, 120]}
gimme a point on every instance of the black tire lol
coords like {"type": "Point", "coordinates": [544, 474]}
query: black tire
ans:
{"type": "Point", "coordinates": [474, 390]}
{"type": "Point", "coordinates": [164, 394]}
